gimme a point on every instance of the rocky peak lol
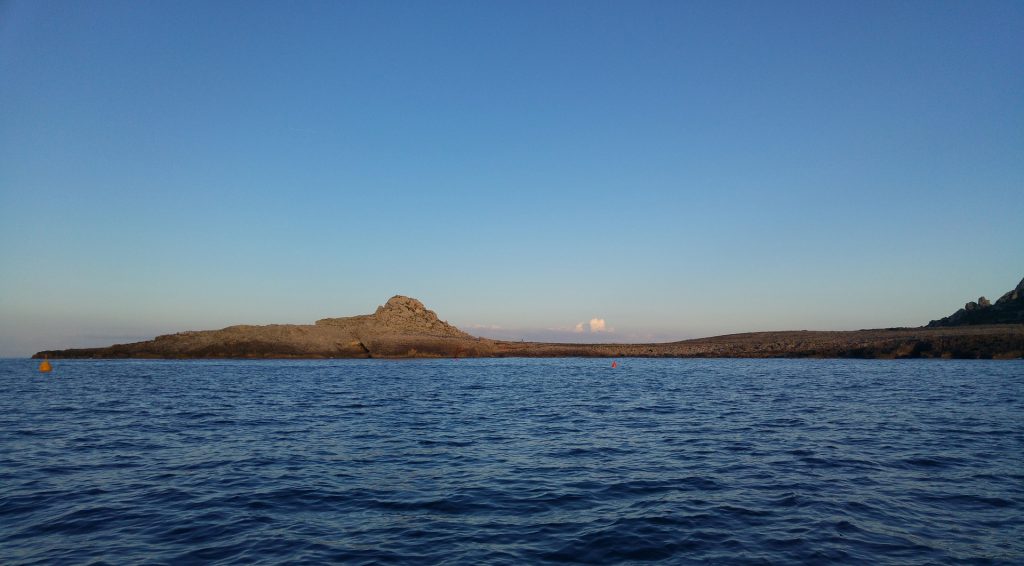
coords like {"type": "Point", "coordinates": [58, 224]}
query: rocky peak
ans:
{"type": "Point", "coordinates": [406, 314]}
{"type": "Point", "coordinates": [982, 303]}
{"type": "Point", "coordinates": [401, 306]}
{"type": "Point", "coordinates": [1008, 309]}
{"type": "Point", "coordinates": [400, 315]}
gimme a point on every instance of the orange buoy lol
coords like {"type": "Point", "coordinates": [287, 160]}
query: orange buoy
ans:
{"type": "Point", "coordinates": [44, 366]}
{"type": "Point", "coordinates": [615, 364]}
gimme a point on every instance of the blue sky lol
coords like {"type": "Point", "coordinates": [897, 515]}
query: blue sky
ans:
{"type": "Point", "coordinates": [676, 169]}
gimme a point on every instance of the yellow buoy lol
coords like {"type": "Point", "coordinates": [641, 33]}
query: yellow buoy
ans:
{"type": "Point", "coordinates": [44, 366]}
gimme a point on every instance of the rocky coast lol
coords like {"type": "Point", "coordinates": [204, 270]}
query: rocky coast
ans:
{"type": "Point", "coordinates": [405, 328]}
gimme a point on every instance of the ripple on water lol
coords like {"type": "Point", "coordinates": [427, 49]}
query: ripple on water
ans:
{"type": "Point", "coordinates": [512, 461]}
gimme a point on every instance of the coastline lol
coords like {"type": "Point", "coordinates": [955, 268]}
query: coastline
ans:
{"type": "Point", "coordinates": [404, 328]}
{"type": "Point", "coordinates": [966, 342]}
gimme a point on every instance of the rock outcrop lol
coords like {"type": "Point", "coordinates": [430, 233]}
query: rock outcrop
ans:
{"type": "Point", "coordinates": [1008, 309]}
{"type": "Point", "coordinates": [401, 315]}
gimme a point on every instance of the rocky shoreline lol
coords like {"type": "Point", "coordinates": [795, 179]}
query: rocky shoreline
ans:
{"type": "Point", "coordinates": [404, 328]}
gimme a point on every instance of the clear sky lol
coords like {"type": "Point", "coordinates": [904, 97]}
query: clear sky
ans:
{"type": "Point", "coordinates": [675, 169]}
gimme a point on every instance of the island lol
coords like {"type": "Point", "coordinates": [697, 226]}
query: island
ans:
{"type": "Point", "coordinates": [405, 328]}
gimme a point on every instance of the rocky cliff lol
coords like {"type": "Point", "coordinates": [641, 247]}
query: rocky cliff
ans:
{"type": "Point", "coordinates": [1008, 309]}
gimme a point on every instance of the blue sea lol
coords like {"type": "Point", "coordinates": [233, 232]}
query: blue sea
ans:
{"type": "Point", "coordinates": [512, 461]}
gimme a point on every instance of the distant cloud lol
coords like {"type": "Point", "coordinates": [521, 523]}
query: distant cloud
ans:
{"type": "Point", "coordinates": [483, 327]}
{"type": "Point", "coordinates": [596, 330]}
{"type": "Point", "coordinates": [595, 325]}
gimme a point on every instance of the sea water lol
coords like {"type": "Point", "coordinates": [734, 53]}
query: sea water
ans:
{"type": "Point", "coordinates": [512, 461]}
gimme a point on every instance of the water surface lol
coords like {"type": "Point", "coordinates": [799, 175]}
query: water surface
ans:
{"type": "Point", "coordinates": [512, 461]}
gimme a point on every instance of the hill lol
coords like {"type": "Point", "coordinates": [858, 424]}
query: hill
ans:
{"type": "Point", "coordinates": [1008, 309]}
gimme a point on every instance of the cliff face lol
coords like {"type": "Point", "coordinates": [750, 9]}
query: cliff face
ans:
{"type": "Point", "coordinates": [1008, 309]}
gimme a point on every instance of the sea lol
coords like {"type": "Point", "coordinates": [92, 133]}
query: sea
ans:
{"type": "Point", "coordinates": [512, 461]}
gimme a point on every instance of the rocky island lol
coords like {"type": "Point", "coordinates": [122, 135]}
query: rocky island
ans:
{"type": "Point", "coordinates": [404, 328]}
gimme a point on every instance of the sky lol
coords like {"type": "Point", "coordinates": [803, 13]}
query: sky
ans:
{"type": "Point", "coordinates": [583, 171]}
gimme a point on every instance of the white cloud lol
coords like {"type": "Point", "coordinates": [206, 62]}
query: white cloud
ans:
{"type": "Point", "coordinates": [593, 331]}
{"type": "Point", "coordinates": [595, 325]}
